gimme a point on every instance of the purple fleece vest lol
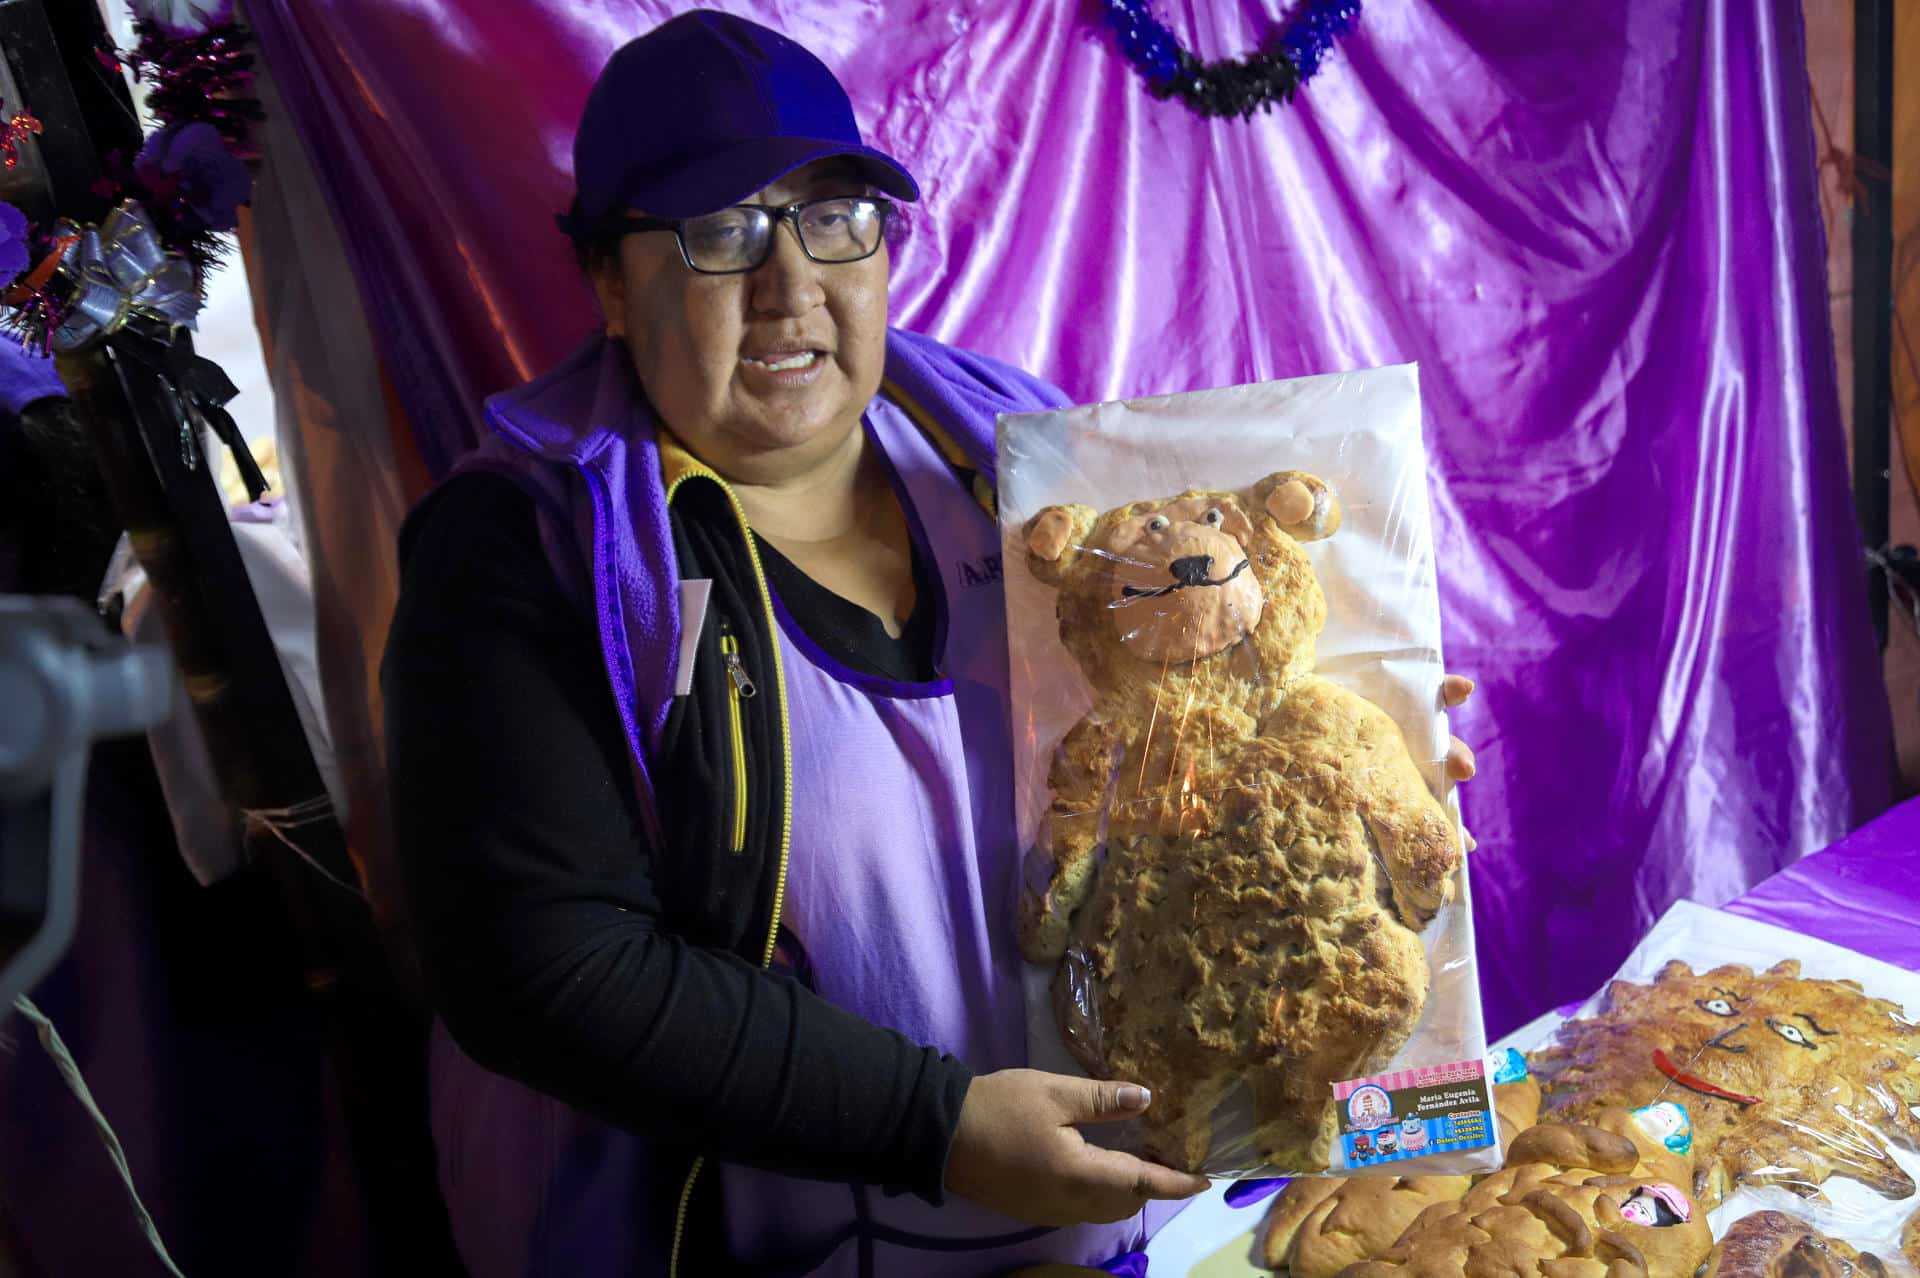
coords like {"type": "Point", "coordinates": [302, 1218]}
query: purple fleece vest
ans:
{"type": "Point", "coordinates": [900, 886]}
{"type": "Point", "coordinates": [900, 880]}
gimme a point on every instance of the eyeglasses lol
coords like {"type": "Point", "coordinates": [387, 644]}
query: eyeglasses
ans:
{"type": "Point", "coordinates": [840, 229]}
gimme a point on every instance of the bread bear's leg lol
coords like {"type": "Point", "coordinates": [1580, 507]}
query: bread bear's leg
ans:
{"type": "Point", "coordinates": [1348, 1003]}
{"type": "Point", "coordinates": [1138, 932]}
{"type": "Point", "coordinates": [1292, 1131]}
{"type": "Point", "coordinates": [1177, 1128]}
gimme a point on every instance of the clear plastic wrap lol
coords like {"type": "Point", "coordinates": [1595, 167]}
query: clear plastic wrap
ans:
{"type": "Point", "coordinates": [1245, 888]}
{"type": "Point", "coordinates": [1777, 1244]}
{"type": "Point", "coordinates": [1798, 1063]}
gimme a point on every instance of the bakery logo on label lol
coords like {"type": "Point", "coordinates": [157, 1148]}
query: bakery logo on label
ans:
{"type": "Point", "coordinates": [983, 571]}
{"type": "Point", "coordinates": [1368, 1108]}
{"type": "Point", "coordinates": [1416, 1112]}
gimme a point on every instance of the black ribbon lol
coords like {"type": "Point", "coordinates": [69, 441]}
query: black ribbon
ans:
{"type": "Point", "coordinates": [198, 391]}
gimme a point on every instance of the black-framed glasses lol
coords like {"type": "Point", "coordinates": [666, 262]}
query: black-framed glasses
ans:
{"type": "Point", "coordinates": [841, 228]}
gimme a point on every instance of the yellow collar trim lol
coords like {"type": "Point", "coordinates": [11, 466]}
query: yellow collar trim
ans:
{"type": "Point", "coordinates": [677, 465]}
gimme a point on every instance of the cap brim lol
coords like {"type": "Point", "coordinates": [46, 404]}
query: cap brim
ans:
{"type": "Point", "coordinates": [730, 176]}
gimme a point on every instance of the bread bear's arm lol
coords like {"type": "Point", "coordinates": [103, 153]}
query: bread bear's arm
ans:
{"type": "Point", "coordinates": [1060, 872]}
{"type": "Point", "coordinates": [1410, 830]}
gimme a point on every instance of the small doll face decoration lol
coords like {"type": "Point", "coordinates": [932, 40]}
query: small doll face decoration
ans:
{"type": "Point", "coordinates": [1667, 1122]}
{"type": "Point", "coordinates": [1507, 1066]}
{"type": "Point", "coordinates": [1656, 1206]}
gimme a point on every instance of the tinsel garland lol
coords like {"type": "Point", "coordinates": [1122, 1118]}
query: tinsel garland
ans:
{"type": "Point", "coordinates": [202, 77]}
{"type": "Point", "coordinates": [206, 77]}
{"type": "Point", "coordinates": [1233, 86]}
{"type": "Point", "coordinates": [205, 248]}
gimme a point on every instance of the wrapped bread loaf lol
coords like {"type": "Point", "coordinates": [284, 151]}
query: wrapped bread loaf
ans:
{"type": "Point", "coordinates": [1319, 1226]}
{"type": "Point", "coordinates": [1598, 1200]}
{"type": "Point", "coordinates": [1772, 1244]}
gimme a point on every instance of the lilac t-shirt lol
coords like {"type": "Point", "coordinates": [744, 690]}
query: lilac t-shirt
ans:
{"type": "Point", "coordinates": [900, 891]}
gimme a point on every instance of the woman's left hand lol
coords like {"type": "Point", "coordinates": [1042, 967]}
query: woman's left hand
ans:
{"type": "Point", "coordinates": [1454, 691]}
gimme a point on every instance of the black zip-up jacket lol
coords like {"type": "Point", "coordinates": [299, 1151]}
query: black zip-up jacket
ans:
{"type": "Point", "coordinates": [566, 947]}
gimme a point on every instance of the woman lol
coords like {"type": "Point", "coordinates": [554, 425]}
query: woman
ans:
{"type": "Point", "coordinates": [753, 906]}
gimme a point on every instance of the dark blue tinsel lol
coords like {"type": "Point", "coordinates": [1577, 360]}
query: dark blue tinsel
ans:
{"type": "Point", "coordinates": [1235, 86]}
{"type": "Point", "coordinates": [1310, 37]}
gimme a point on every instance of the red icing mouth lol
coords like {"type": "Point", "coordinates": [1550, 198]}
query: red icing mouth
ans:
{"type": "Point", "coordinates": [1665, 1066]}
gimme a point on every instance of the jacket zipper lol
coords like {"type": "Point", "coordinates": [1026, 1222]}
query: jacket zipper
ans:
{"type": "Point", "coordinates": [740, 687]}
{"type": "Point", "coordinates": [743, 687]}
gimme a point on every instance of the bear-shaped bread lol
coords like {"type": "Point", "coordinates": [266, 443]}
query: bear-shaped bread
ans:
{"type": "Point", "coordinates": [1772, 1244]}
{"type": "Point", "coordinates": [1789, 1080]}
{"type": "Point", "coordinates": [1271, 850]}
{"type": "Point", "coordinates": [1596, 1200]}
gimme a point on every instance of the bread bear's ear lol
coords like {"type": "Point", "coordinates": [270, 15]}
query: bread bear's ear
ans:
{"type": "Point", "coordinates": [1302, 504]}
{"type": "Point", "coordinates": [1054, 540]}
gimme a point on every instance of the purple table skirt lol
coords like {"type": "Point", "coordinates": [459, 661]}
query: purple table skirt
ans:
{"type": "Point", "coordinates": [1862, 892]}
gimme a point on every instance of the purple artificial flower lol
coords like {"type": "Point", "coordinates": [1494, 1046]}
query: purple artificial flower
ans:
{"type": "Point", "coordinates": [181, 19]}
{"type": "Point", "coordinates": [14, 254]}
{"type": "Point", "coordinates": [188, 169]}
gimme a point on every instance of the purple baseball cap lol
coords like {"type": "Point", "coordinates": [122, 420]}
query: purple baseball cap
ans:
{"type": "Point", "coordinates": [703, 111]}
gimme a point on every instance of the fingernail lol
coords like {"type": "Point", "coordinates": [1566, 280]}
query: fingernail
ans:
{"type": "Point", "coordinates": [1135, 1098]}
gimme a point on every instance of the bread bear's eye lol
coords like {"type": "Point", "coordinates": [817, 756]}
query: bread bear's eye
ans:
{"type": "Point", "coordinates": [1157, 524]}
{"type": "Point", "coordinates": [1718, 1006]}
{"type": "Point", "coordinates": [1214, 518]}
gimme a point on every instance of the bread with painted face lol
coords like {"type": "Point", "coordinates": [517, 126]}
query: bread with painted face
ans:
{"type": "Point", "coordinates": [1271, 850]}
{"type": "Point", "coordinates": [1789, 1080]}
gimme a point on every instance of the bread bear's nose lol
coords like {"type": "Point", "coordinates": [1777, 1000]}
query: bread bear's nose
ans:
{"type": "Point", "coordinates": [1192, 570]}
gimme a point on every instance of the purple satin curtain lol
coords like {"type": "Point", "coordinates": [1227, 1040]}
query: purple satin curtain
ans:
{"type": "Point", "coordinates": [1594, 226]}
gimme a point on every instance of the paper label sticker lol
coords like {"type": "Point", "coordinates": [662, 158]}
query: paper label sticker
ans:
{"type": "Point", "coordinates": [693, 619]}
{"type": "Point", "coordinates": [1437, 1109]}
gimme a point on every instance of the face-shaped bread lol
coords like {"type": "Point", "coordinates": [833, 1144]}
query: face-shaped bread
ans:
{"type": "Point", "coordinates": [1788, 1080]}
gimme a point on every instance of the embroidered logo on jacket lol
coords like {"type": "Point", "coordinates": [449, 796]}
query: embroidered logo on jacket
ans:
{"type": "Point", "coordinates": [983, 571]}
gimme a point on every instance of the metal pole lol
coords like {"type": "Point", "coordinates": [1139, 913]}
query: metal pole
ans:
{"type": "Point", "coordinates": [1873, 285]}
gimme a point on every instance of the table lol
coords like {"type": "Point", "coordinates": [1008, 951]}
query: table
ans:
{"type": "Point", "coordinates": [1862, 892]}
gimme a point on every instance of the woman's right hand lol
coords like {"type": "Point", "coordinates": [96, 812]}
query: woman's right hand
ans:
{"type": "Point", "coordinates": [1018, 1151]}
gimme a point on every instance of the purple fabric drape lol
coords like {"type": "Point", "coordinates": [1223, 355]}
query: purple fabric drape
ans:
{"type": "Point", "coordinates": [1595, 227]}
